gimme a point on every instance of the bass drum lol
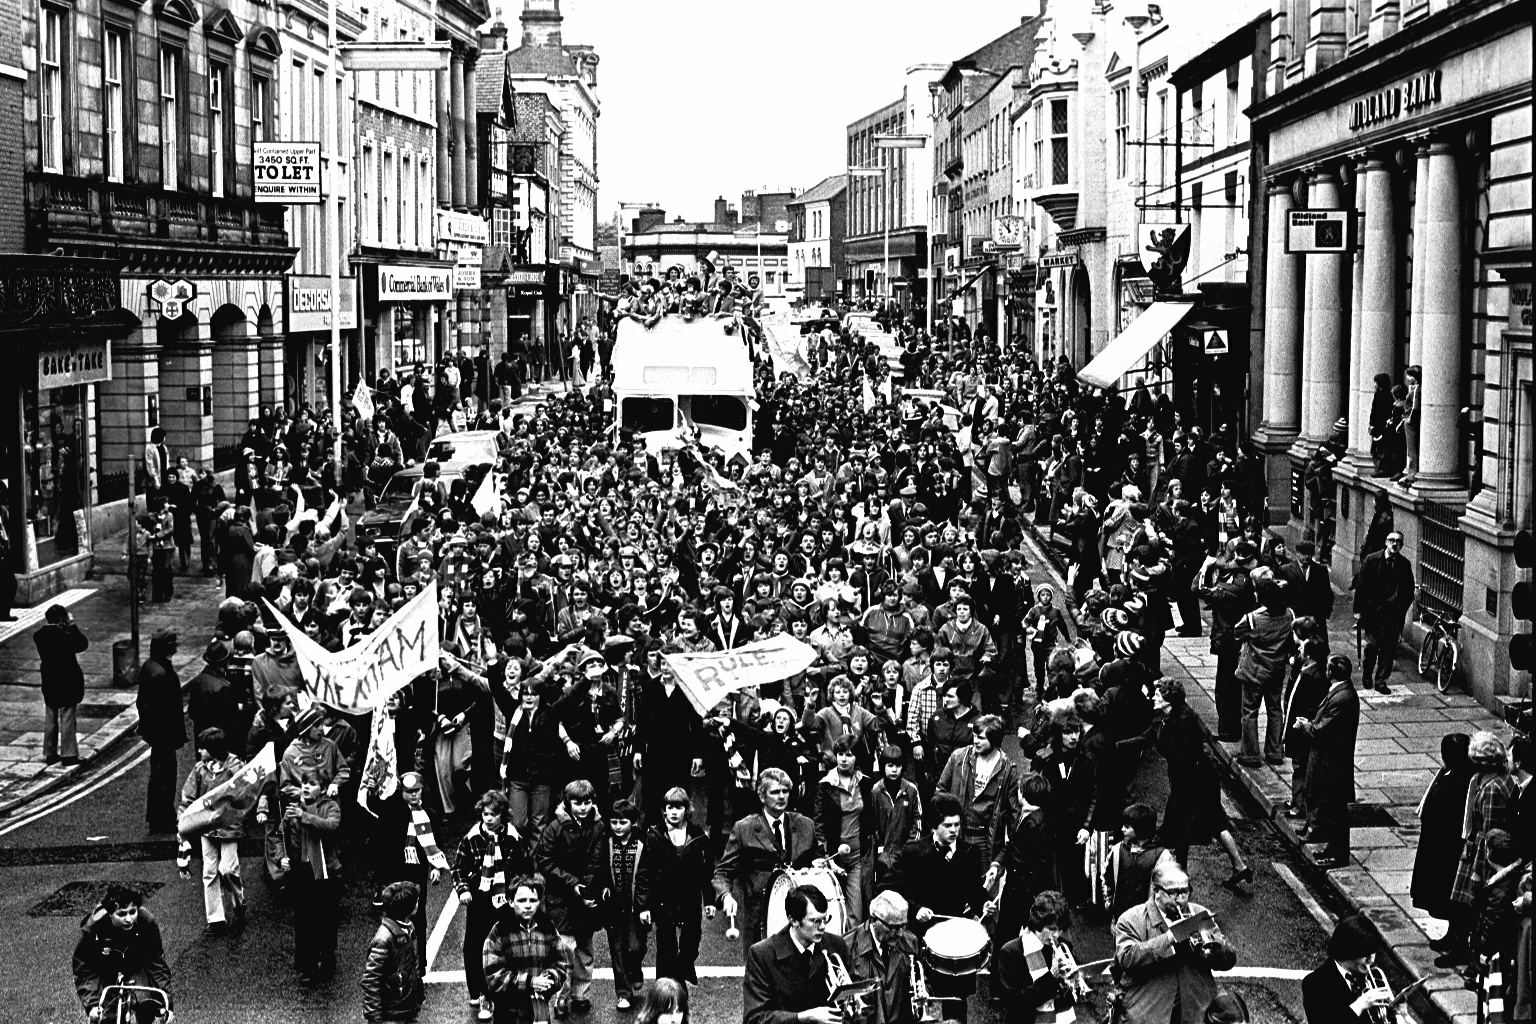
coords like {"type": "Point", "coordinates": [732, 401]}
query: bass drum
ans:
{"type": "Point", "coordinates": [793, 878]}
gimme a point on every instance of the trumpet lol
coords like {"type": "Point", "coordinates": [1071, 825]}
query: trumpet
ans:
{"type": "Point", "coordinates": [925, 1008]}
{"type": "Point", "coordinates": [1207, 940]}
{"type": "Point", "coordinates": [853, 1007]}
{"type": "Point", "coordinates": [1376, 979]}
{"type": "Point", "coordinates": [1076, 983]}
{"type": "Point", "coordinates": [837, 972]}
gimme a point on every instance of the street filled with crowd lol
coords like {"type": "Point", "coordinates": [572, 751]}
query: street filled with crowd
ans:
{"type": "Point", "coordinates": [943, 783]}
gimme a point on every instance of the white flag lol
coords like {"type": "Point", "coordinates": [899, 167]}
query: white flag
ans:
{"type": "Point", "coordinates": [362, 677]}
{"type": "Point", "coordinates": [486, 498]}
{"type": "Point", "coordinates": [381, 774]}
{"type": "Point", "coordinates": [362, 401]}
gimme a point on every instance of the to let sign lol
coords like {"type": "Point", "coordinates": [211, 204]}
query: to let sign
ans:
{"type": "Point", "coordinates": [287, 172]}
{"type": "Point", "coordinates": [89, 362]}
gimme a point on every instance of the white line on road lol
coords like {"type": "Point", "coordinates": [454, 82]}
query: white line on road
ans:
{"type": "Point", "coordinates": [736, 971]}
{"type": "Point", "coordinates": [125, 764]}
{"type": "Point", "coordinates": [1322, 917]}
{"type": "Point", "coordinates": [440, 930]}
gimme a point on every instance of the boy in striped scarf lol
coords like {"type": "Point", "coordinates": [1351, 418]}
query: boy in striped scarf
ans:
{"type": "Point", "coordinates": [490, 855]}
{"type": "Point", "coordinates": [1035, 969]}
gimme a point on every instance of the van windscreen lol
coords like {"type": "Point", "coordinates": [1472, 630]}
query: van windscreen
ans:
{"type": "Point", "coordinates": [647, 414]}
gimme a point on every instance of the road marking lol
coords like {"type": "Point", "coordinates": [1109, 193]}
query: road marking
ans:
{"type": "Point", "coordinates": [1324, 919]}
{"type": "Point", "coordinates": [121, 767]}
{"type": "Point", "coordinates": [736, 971]}
{"type": "Point", "coordinates": [440, 929]}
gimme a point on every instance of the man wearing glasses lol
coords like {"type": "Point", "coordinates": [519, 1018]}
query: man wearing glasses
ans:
{"type": "Point", "coordinates": [1383, 594]}
{"type": "Point", "coordinates": [1165, 951]}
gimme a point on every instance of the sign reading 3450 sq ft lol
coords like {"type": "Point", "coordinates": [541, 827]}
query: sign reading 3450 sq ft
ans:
{"type": "Point", "coordinates": [287, 172]}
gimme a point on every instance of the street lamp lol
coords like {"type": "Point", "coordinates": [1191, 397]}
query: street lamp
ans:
{"type": "Point", "coordinates": [894, 141]}
{"type": "Point", "coordinates": [880, 172]}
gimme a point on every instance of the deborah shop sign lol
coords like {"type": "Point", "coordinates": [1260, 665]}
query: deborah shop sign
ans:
{"type": "Point", "coordinates": [1404, 98]}
{"type": "Point", "coordinates": [415, 284]}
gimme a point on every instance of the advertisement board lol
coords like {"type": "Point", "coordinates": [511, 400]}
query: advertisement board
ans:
{"type": "Point", "coordinates": [399, 283]}
{"type": "Point", "coordinates": [309, 302]}
{"type": "Point", "coordinates": [86, 362]}
{"type": "Point", "coordinates": [286, 172]}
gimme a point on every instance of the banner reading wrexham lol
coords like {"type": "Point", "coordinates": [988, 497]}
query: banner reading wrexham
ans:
{"type": "Point", "coordinates": [706, 678]}
{"type": "Point", "coordinates": [362, 677]}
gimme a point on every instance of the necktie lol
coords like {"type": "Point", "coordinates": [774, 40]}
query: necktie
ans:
{"type": "Point", "coordinates": [778, 835]}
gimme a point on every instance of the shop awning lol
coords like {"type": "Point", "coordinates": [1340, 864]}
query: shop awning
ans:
{"type": "Point", "coordinates": [1106, 368]}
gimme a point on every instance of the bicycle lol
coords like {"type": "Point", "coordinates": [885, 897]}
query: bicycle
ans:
{"type": "Point", "coordinates": [1440, 650]}
{"type": "Point", "coordinates": [132, 1003]}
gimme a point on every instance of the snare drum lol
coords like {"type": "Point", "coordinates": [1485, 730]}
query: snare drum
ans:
{"type": "Point", "coordinates": [957, 947]}
{"type": "Point", "coordinates": [792, 878]}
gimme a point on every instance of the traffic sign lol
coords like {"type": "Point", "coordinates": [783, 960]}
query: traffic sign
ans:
{"type": "Point", "coordinates": [1215, 343]}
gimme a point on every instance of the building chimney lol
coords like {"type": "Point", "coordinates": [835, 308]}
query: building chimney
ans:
{"type": "Point", "coordinates": [494, 38]}
{"type": "Point", "coordinates": [541, 22]}
{"type": "Point", "coordinates": [649, 217]}
{"type": "Point", "coordinates": [722, 211]}
{"type": "Point", "coordinates": [730, 215]}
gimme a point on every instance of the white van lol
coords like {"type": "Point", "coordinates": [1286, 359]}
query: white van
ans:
{"type": "Point", "coordinates": [684, 374]}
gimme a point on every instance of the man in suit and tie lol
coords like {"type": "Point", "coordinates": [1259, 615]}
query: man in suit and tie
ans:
{"type": "Point", "coordinates": [1306, 584]}
{"type": "Point", "coordinates": [1340, 991]}
{"type": "Point", "coordinates": [1384, 591]}
{"type": "Point", "coordinates": [787, 974]}
{"type": "Point", "coordinates": [759, 845]}
{"type": "Point", "coordinates": [1331, 764]}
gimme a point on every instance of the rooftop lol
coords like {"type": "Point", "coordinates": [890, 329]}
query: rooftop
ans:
{"type": "Point", "coordinates": [829, 187]}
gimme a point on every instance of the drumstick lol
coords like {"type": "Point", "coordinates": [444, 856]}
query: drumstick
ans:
{"type": "Point", "coordinates": [732, 933]}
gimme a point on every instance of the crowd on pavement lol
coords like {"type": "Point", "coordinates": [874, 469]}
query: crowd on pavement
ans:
{"type": "Point", "coordinates": [960, 752]}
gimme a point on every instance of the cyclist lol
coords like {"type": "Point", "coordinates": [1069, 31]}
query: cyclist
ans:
{"type": "Point", "coordinates": [120, 945]}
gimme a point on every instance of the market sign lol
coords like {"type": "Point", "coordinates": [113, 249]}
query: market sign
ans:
{"type": "Point", "coordinates": [415, 284]}
{"type": "Point", "coordinates": [1059, 259]}
{"type": "Point", "coordinates": [1409, 97]}
{"type": "Point", "coordinates": [286, 172]}
{"type": "Point", "coordinates": [1318, 231]}
{"type": "Point", "coordinates": [88, 362]}
{"type": "Point", "coordinates": [309, 302]}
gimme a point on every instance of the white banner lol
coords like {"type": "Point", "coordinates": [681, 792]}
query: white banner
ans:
{"type": "Point", "coordinates": [707, 678]}
{"type": "Point", "coordinates": [362, 677]}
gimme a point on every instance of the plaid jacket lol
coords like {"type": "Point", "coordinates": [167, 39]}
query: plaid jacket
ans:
{"type": "Point", "coordinates": [514, 956]}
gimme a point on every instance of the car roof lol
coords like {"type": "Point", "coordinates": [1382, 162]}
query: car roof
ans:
{"type": "Point", "coordinates": [467, 435]}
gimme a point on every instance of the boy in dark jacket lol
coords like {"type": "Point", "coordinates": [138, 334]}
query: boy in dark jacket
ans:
{"type": "Point", "coordinates": [898, 811]}
{"type": "Point", "coordinates": [310, 824]}
{"type": "Point", "coordinates": [680, 886]}
{"type": "Point", "coordinates": [120, 940]}
{"type": "Point", "coordinates": [568, 843]}
{"type": "Point", "coordinates": [391, 981]}
{"type": "Point", "coordinates": [621, 875]}
{"type": "Point", "coordinates": [491, 855]}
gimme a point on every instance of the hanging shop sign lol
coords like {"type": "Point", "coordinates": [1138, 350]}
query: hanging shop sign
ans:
{"type": "Point", "coordinates": [88, 362]}
{"type": "Point", "coordinates": [1395, 101]}
{"type": "Point", "coordinates": [286, 172]}
{"type": "Point", "coordinates": [1059, 259]}
{"type": "Point", "coordinates": [527, 278]}
{"type": "Point", "coordinates": [415, 284]}
{"type": "Point", "coordinates": [465, 228]}
{"type": "Point", "coordinates": [1319, 231]}
{"type": "Point", "coordinates": [309, 303]}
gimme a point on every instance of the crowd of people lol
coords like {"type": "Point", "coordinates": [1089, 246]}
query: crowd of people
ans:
{"type": "Point", "coordinates": [968, 741]}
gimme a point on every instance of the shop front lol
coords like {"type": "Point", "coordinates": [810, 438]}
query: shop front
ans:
{"type": "Point", "coordinates": [306, 352]}
{"type": "Point", "coordinates": [407, 306]}
{"type": "Point", "coordinates": [58, 319]}
{"type": "Point", "coordinates": [532, 298]}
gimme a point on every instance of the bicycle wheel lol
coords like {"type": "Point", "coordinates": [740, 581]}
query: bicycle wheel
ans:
{"type": "Point", "coordinates": [1428, 648]}
{"type": "Point", "coordinates": [1445, 672]}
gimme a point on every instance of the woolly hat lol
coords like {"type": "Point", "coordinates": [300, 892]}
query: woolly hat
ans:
{"type": "Point", "coordinates": [1127, 644]}
{"type": "Point", "coordinates": [1114, 619]}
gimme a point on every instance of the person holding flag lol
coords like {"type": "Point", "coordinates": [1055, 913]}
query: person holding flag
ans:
{"type": "Point", "coordinates": [223, 891]}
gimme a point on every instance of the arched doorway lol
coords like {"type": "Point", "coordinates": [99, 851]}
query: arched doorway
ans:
{"type": "Point", "coordinates": [236, 381]}
{"type": "Point", "coordinates": [185, 407]}
{"type": "Point", "coordinates": [1080, 320]}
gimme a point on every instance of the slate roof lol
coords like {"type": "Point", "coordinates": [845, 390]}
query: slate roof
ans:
{"type": "Point", "coordinates": [829, 187]}
{"type": "Point", "coordinates": [541, 60]}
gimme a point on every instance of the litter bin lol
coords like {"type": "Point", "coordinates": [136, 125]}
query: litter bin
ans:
{"type": "Point", "coordinates": [125, 663]}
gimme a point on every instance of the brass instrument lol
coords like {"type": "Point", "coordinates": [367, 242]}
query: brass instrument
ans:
{"type": "Point", "coordinates": [925, 1008]}
{"type": "Point", "coordinates": [1376, 978]}
{"type": "Point", "coordinates": [837, 972]}
{"type": "Point", "coordinates": [1207, 940]}
{"type": "Point", "coordinates": [855, 1006]}
{"type": "Point", "coordinates": [1076, 983]}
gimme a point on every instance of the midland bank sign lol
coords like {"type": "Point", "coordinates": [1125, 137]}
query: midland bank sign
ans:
{"type": "Point", "coordinates": [1409, 97]}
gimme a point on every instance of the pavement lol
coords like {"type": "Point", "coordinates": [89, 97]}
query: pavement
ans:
{"type": "Point", "coordinates": [1397, 755]}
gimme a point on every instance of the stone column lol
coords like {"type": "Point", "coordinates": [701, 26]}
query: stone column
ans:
{"type": "Point", "coordinates": [236, 381]}
{"type": "Point", "coordinates": [471, 139]}
{"type": "Point", "coordinates": [444, 138]}
{"type": "Point", "coordinates": [456, 99]}
{"type": "Point", "coordinates": [1416, 299]}
{"type": "Point", "coordinates": [1325, 335]}
{"type": "Point", "coordinates": [1359, 436]}
{"type": "Point", "coordinates": [185, 368]}
{"type": "Point", "coordinates": [1378, 303]}
{"type": "Point", "coordinates": [1282, 323]}
{"type": "Point", "coordinates": [1440, 392]}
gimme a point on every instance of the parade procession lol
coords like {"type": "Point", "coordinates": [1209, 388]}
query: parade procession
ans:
{"type": "Point", "coordinates": [1067, 560]}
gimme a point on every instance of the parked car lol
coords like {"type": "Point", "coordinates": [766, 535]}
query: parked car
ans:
{"type": "Point", "coordinates": [392, 515]}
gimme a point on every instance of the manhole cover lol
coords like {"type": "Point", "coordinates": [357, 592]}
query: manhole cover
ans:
{"type": "Point", "coordinates": [77, 899]}
{"type": "Point", "coordinates": [1370, 816]}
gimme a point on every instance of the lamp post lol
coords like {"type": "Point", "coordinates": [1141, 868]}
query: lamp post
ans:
{"type": "Point", "coordinates": [879, 172]}
{"type": "Point", "coordinates": [896, 141]}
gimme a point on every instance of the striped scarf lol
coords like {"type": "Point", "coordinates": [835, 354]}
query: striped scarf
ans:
{"type": "Point", "coordinates": [1038, 960]}
{"type": "Point", "coordinates": [419, 833]}
{"type": "Point", "coordinates": [493, 866]}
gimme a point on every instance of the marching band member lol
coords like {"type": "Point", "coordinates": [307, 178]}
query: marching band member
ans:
{"type": "Point", "coordinates": [759, 845]}
{"type": "Point", "coordinates": [882, 949]}
{"type": "Point", "coordinates": [1035, 969]}
{"type": "Point", "coordinates": [1342, 990]}
{"type": "Point", "coordinates": [791, 974]}
{"type": "Point", "coordinates": [1166, 976]}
